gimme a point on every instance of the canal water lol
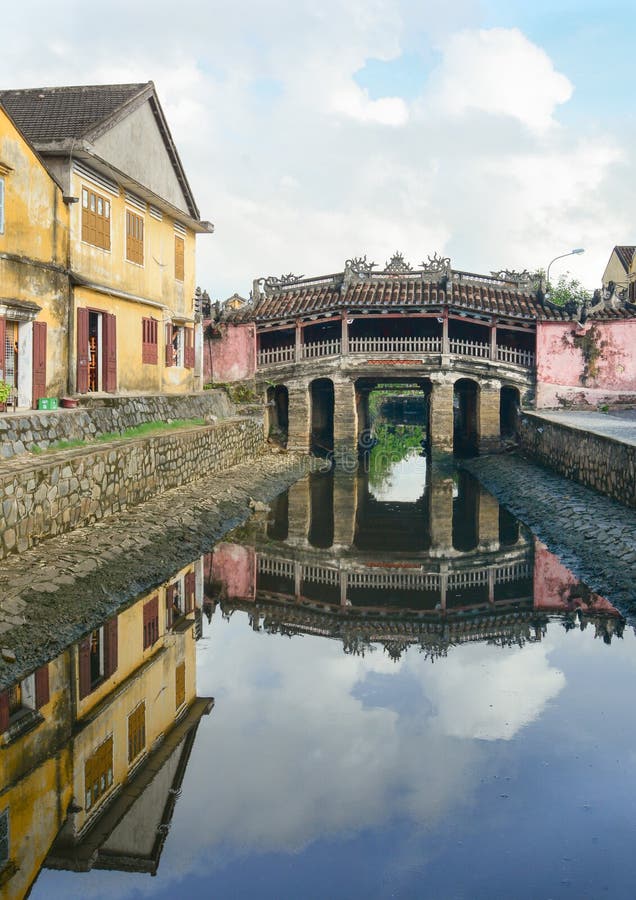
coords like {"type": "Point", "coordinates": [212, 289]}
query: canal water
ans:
{"type": "Point", "coordinates": [412, 697]}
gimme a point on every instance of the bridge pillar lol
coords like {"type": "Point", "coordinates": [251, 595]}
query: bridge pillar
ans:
{"type": "Point", "coordinates": [441, 416]}
{"type": "Point", "coordinates": [488, 521]}
{"type": "Point", "coordinates": [299, 425]}
{"type": "Point", "coordinates": [489, 427]}
{"type": "Point", "coordinates": [441, 511]}
{"type": "Point", "coordinates": [299, 512]}
{"type": "Point", "coordinates": [345, 509]}
{"type": "Point", "coordinates": [345, 425]}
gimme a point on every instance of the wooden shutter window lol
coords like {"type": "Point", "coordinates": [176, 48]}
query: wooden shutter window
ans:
{"type": "Point", "coordinates": [179, 258]}
{"type": "Point", "coordinates": [151, 622]}
{"type": "Point", "coordinates": [83, 355]}
{"type": "Point", "coordinates": [169, 602]}
{"type": "Point", "coordinates": [39, 362]}
{"type": "Point", "coordinates": [188, 351]}
{"type": "Point", "coordinates": [134, 238]}
{"type": "Point", "coordinates": [3, 339]}
{"type": "Point", "coordinates": [4, 711]}
{"type": "Point", "coordinates": [98, 773]}
{"type": "Point", "coordinates": [179, 681]}
{"type": "Point", "coordinates": [136, 731]}
{"type": "Point", "coordinates": [149, 347]}
{"type": "Point", "coordinates": [110, 647]}
{"type": "Point", "coordinates": [109, 335]}
{"type": "Point", "coordinates": [85, 668]}
{"type": "Point", "coordinates": [42, 692]}
{"type": "Point", "coordinates": [169, 347]}
{"type": "Point", "coordinates": [189, 583]}
{"type": "Point", "coordinates": [95, 219]}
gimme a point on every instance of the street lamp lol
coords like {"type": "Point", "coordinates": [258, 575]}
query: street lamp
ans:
{"type": "Point", "coordinates": [576, 252]}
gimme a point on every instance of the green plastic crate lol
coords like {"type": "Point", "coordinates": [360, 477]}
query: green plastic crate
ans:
{"type": "Point", "coordinates": [47, 403]}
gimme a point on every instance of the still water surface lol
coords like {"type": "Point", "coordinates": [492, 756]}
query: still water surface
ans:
{"type": "Point", "coordinates": [413, 698]}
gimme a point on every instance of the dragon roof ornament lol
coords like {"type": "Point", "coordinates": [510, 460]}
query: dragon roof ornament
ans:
{"type": "Point", "coordinates": [436, 264]}
{"type": "Point", "coordinates": [524, 277]}
{"type": "Point", "coordinates": [271, 284]}
{"type": "Point", "coordinates": [397, 265]}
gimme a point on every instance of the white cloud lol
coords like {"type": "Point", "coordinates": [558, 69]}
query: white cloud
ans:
{"type": "Point", "coordinates": [500, 72]}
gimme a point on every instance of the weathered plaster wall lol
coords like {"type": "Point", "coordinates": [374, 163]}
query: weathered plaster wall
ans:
{"type": "Point", "coordinates": [73, 488]}
{"type": "Point", "coordinates": [232, 357]}
{"type": "Point", "coordinates": [593, 365]}
{"type": "Point", "coordinates": [234, 567]}
{"type": "Point", "coordinates": [104, 415]}
{"type": "Point", "coordinates": [597, 461]}
{"type": "Point", "coordinates": [556, 588]}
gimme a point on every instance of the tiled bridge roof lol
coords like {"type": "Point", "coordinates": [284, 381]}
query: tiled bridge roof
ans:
{"type": "Point", "coordinates": [398, 287]}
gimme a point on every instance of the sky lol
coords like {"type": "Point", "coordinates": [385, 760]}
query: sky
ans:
{"type": "Point", "coordinates": [501, 134]}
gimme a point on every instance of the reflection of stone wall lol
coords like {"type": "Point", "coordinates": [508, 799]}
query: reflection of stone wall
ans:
{"type": "Point", "coordinates": [594, 460]}
{"type": "Point", "coordinates": [78, 487]}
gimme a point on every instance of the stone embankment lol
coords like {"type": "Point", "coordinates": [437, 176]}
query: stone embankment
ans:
{"type": "Point", "coordinates": [593, 535]}
{"type": "Point", "coordinates": [44, 496]}
{"type": "Point", "coordinates": [99, 415]}
{"type": "Point", "coordinates": [54, 594]}
{"type": "Point", "coordinates": [589, 448]}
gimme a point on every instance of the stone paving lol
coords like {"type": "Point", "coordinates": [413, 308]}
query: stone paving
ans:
{"type": "Point", "coordinates": [594, 536]}
{"type": "Point", "coordinates": [53, 594]}
{"type": "Point", "coordinates": [617, 424]}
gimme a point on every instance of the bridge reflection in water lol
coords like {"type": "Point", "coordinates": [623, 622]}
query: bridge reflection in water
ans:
{"type": "Point", "coordinates": [341, 558]}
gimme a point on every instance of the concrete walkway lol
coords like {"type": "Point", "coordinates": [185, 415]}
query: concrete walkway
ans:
{"type": "Point", "coordinates": [619, 425]}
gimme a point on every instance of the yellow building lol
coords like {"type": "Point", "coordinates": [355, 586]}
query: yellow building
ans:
{"type": "Point", "coordinates": [133, 222]}
{"type": "Point", "coordinates": [99, 739]}
{"type": "Point", "coordinates": [34, 286]}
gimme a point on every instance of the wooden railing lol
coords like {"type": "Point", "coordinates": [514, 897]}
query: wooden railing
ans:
{"type": "Point", "coordinates": [378, 345]}
{"type": "Point", "coordinates": [395, 345]}
{"type": "Point", "coordinates": [320, 349]}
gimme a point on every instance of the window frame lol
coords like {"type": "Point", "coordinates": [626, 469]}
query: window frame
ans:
{"type": "Point", "coordinates": [179, 686]}
{"type": "Point", "coordinates": [149, 341]}
{"type": "Point", "coordinates": [133, 217]}
{"type": "Point", "coordinates": [136, 736]}
{"type": "Point", "coordinates": [179, 257]}
{"type": "Point", "coordinates": [86, 192]}
{"type": "Point", "coordinates": [2, 194]}
{"type": "Point", "coordinates": [5, 838]}
{"type": "Point", "coordinates": [105, 776]}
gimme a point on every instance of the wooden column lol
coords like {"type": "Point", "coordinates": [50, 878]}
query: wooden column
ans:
{"type": "Point", "coordinates": [345, 336]}
{"type": "Point", "coordinates": [298, 341]}
{"type": "Point", "coordinates": [445, 341]}
{"type": "Point", "coordinates": [493, 340]}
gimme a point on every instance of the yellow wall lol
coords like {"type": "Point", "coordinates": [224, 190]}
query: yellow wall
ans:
{"type": "Point", "coordinates": [155, 280]}
{"type": "Point", "coordinates": [154, 683]}
{"type": "Point", "coordinates": [36, 231]}
{"type": "Point", "coordinates": [36, 784]}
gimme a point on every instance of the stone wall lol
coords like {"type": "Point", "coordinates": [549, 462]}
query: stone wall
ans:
{"type": "Point", "coordinates": [20, 432]}
{"type": "Point", "coordinates": [61, 491]}
{"type": "Point", "coordinates": [597, 461]}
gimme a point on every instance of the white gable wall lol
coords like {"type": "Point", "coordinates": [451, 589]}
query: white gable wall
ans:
{"type": "Point", "coordinates": [135, 146]}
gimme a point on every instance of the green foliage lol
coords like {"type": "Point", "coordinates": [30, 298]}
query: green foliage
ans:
{"type": "Point", "coordinates": [567, 290]}
{"type": "Point", "coordinates": [5, 391]}
{"type": "Point", "coordinates": [239, 392]}
{"type": "Point", "coordinates": [395, 443]}
{"type": "Point", "coordinates": [147, 428]}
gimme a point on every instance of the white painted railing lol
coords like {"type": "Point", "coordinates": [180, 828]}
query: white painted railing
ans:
{"type": "Point", "coordinates": [320, 574]}
{"type": "Point", "coordinates": [395, 345]}
{"type": "Point", "coordinates": [275, 355]}
{"type": "Point", "coordinates": [469, 348]}
{"type": "Point", "coordinates": [320, 349]}
{"type": "Point", "coordinates": [523, 358]}
{"type": "Point", "coordinates": [513, 571]}
{"type": "Point", "coordinates": [280, 567]}
{"type": "Point", "coordinates": [370, 345]}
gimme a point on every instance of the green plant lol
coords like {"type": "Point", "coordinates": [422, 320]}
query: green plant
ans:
{"type": "Point", "coordinates": [5, 391]}
{"type": "Point", "coordinates": [567, 290]}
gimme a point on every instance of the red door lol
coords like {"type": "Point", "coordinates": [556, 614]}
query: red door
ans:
{"type": "Point", "coordinates": [82, 351]}
{"type": "Point", "coordinates": [39, 362]}
{"type": "Point", "coordinates": [109, 333]}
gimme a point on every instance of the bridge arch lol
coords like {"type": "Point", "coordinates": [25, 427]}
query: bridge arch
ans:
{"type": "Point", "coordinates": [466, 419]}
{"type": "Point", "coordinates": [278, 413]}
{"type": "Point", "coordinates": [509, 407]}
{"type": "Point", "coordinates": [322, 409]}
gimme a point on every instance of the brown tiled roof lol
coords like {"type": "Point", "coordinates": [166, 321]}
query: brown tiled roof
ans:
{"type": "Point", "coordinates": [480, 294]}
{"type": "Point", "coordinates": [55, 113]}
{"type": "Point", "coordinates": [625, 255]}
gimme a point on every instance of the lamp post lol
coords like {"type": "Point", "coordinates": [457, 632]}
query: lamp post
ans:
{"type": "Point", "coordinates": [576, 252]}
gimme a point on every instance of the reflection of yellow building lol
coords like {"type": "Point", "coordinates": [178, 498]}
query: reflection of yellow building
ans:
{"type": "Point", "coordinates": [34, 285]}
{"type": "Point", "coordinates": [133, 222]}
{"type": "Point", "coordinates": [103, 746]}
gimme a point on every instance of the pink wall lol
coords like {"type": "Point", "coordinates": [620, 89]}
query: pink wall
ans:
{"type": "Point", "coordinates": [555, 586]}
{"type": "Point", "coordinates": [231, 357]}
{"type": "Point", "coordinates": [234, 566]}
{"type": "Point", "coordinates": [561, 376]}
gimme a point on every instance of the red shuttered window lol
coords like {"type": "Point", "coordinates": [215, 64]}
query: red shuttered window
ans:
{"type": "Point", "coordinates": [149, 345]}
